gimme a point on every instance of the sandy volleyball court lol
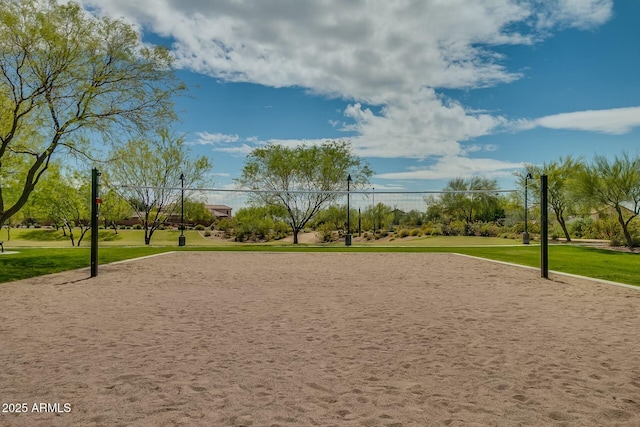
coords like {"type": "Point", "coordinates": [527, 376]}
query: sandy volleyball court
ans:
{"type": "Point", "coordinates": [303, 339]}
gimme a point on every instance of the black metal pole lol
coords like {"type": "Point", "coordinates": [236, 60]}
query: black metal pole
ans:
{"type": "Point", "coordinates": [347, 240]}
{"type": "Point", "coordinates": [373, 208]}
{"type": "Point", "coordinates": [544, 229]}
{"type": "Point", "coordinates": [526, 186]}
{"type": "Point", "coordinates": [359, 223]}
{"type": "Point", "coordinates": [94, 221]}
{"type": "Point", "coordinates": [525, 235]}
{"type": "Point", "coordinates": [182, 240]}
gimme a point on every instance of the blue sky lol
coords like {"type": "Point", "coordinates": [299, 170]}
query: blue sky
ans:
{"type": "Point", "coordinates": [424, 90]}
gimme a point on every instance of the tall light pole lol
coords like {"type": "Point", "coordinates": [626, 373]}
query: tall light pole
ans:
{"type": "Point", "coordinates": [525, 235]}
{"type": "Point", "coordinates": [373, 208]}
{"type": "Point", "coordinates": [182, 239]}
{"type": "Point", "coordinates": [347, 238]}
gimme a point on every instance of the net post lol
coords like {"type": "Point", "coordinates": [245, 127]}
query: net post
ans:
{"type": "Point", "coordinates": [544, 228]}
{"type": "Point", "coordinates": [95, 201]}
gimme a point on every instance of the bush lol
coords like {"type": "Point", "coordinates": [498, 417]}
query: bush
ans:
{"type": "Point", "coordinates": [403, 233]}
{"type": "Point", "coordinates": [225, 225]}
{"type": "Point", "coordinates": [488, 229]}
{"type": "Point", "coordinates": [327, 232]}
{"type": "Point", "coordinates": [581, 227]}
{"type": "Point", "coordinates": [432, 229]}
{"type": "Point", "coordinates": [199, 227]}
{"type": "Point", "coordinates": [207, 233]}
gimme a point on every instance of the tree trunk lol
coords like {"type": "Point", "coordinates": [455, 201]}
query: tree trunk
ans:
{"type": "Point", "coordinates": [625, 229]}
{"type": "Point", "coordinates": [71, 235]}
{"type": "Point", "coordinates": [295, 236]}
{"type": "Point", "coordinates": [83, 231]}
{"type": "Point", "coordinates": [563, 225]}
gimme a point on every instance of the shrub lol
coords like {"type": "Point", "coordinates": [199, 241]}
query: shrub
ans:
{"type": "Point", "coordinates": [199, 227]}
{"type": "Point", "coordinates": [581, 227]}
{"type": "Point", "coordinates": [403, 233]}
{"type": "Point", "coordinates": [207, 233]}
{"type": "Point", "coordinates": [225, 224]}
{"type": "Point", "coordinates": [327, 232]}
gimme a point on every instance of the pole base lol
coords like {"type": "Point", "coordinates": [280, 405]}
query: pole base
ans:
{"type": "Point", "coordinates": [182, 240]}
{"type": "Point", "coordinates": [525, 238]}
{"type": "Point", "coordinates": [347, 240]}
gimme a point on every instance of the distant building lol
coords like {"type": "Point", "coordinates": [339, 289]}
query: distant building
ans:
{"type": "Point", "coordinates": [219, 211]}
{"type": "Point", "coordinates": [608, 212]}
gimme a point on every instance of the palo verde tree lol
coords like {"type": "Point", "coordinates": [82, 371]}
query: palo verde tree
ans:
{"type": "Point", "coordinates": [471, 199]}
{"type": "Point", "coordinates": [614, 184]}
{"type": "Point", "coordinates": [561, 177]}
{"type": "Point", "coordinates": [146, 172]}
{"type": "Point", "coordinates": [63, 198]}
{"type": "Point", "coordinates": [302, 180]}
{"type": "Point", "coordinates": [113, 209]}
{"type": "Point", "coordinates": [65, 78]}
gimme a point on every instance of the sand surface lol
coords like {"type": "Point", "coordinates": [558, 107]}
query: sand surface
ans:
{"type": "Point", "coordinates": [304, 339]}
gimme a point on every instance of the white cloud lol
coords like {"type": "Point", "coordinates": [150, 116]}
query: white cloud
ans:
{"type": "Point", "coordinates": [419, 127]}
{"type": "Point", "coordinates": [582, 14]}
{"type": "Point", "coordinates": [227, 143]}
{"type": "Point", "coordinates": [238, 150]}
{"type": "Point", "coordinates": [389, 54]}
{"type": "Point", "coordinates": [352, 48]}
{"type": "Point", "coordinates": [206, 138]}
{"type": "Point", "coordinates": [614, 121]}
{"type": "Point", "coordinates": [449, 167]}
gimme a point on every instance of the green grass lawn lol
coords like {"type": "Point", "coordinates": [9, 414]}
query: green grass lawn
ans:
{"type": "Point", "coordinates": [54, 255]}
{"type": "Point", "coordinates": [39, 237]}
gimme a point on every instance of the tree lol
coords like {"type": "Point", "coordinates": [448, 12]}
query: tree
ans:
{"type": "Point", "coordinates": [561, 176]}
{"type": "Point", "coordinates": [615, 184]}
{"type": "Point", "coordinates": [302, 180]}
{"type": "Point", "coordinates": [147, 174]}
{"type": "Point", "coordinates": [65, 78]}
{"type": "Point", "coordinates": [471, 199]}
{"type": "Point", "coordinates": [65, 200]}
{"type": "Point", "coordinates": [381, 216]}
{"type": "Point", "coordinates": [113, 209]}
{"type": "Point", "coordinates": [196, 211]}
{"type": "Point", "coordinates": [258, 223]}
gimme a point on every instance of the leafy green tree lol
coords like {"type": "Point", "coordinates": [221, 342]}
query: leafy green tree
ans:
{"type": "Point", "coordinates": [113, 209]}
{"type": "Point", "coordinates": [302, 180]}
{"type": "Point", "coordinates": [65, 199]}
{"type": "Point", "coordinates": [66, 78]}
{"type": "Point", "coordinates": [471, 199]}
{"type": "Point", "coordinates": [413, 218]}
{"type": "Point", "coordinates": [435, 209]}
{"type": "Point", "coordinates": [254, 223]}
{"type": "Point", "coordinates": [147, 173]}
{"type": "Point", "coordinates": [561, 176]}
{"type": "Point", "coordinates": [378, 217]}
{"type": "Point", "coordinates": [615, 184]}
{"type": "Point", "coordinates": [196, 211]}
{"type": "Point", "coordinates": [333, 219]}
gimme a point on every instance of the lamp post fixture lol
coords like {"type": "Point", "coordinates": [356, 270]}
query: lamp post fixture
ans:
{"type": "Point", "coordinates": [347, 238]}
{"type": "Point", "coordinates": [525, 235]}
{"type": "Point", "coordinates": [182, 239]}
